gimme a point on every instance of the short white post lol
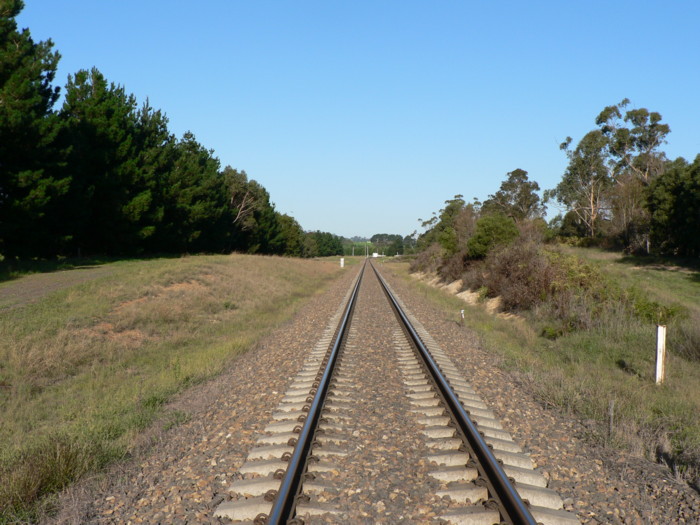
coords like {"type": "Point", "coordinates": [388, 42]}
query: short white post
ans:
{"type": "Point", "coordinates": [660, 354]}
{"type": "Point", "coordinates": [342, 262]}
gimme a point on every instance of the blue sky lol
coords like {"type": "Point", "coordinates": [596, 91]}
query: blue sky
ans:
{"type": "Point", "coordinates": [360, 117]}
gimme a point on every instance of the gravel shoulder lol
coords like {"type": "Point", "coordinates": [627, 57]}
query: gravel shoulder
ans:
{"type": "Point", "coordinates": [31, 288]}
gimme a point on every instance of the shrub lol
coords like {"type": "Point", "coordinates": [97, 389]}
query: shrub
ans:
{"type": "Point", "coordinates": [491, 231]}
{"type": "Point", "coordinates": [473, 276]}
{"type": "Point", "coordinates": [453, 266]}
{"type": "Point", "coordinates": [575, 273]}
{"type": "Point", "coordinates": [428, 260]}
{"type": "Point", "coordinates": [535, 230]}
{"type": "Point", "coordinates": [574, 311]}
{"type": "Point", "coordinates": [654, 312]}
{"type": "Point", "coordinates": [520, 275]}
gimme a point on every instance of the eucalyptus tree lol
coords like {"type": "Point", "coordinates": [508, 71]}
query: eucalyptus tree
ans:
{"type": "Point", "coordinates": [445, 232]}
{"type": "Point", "coordinates": [635, 139]}
{"type": "Point", "coordinates": [584, 188]}
{"type": "Point", "coordinates": [517, 198]}
{"type": "Point", "coordinates": [409, 243]}
{"type": "Point", "coordinates": [450, 228]}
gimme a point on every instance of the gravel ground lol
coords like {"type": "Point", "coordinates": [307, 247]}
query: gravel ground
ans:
{"type": "Point", "coordinates": [384, 478]}
{"type": "Point", "coordinates": [601, 485]}
{"type": "Point", "coordinates": [33, 287]}
{"type": "Point", "coordinates": [180, 476]}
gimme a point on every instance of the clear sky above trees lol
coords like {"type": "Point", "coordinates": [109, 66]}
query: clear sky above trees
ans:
{"type": "Point", "coordinates": [361, 117]}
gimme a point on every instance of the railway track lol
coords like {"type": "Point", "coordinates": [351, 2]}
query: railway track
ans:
{"type": "Point", "coordinates": [379, 426]}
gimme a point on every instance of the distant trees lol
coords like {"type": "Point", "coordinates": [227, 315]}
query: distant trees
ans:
{"type": "Point", "coordinates": [322, 244]}
{"type": "Point", "coordinates": [387, 243]}
{"type": "Point", "coordinates": [409, 243]}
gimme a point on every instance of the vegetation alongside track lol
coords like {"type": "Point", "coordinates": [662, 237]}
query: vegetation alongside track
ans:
{"type": "Point", "coordinates": [607, 365]}
{"type": "Point", "coordinates": [85, 369]}
{"type": "Point", "coordinates": [103, 175]}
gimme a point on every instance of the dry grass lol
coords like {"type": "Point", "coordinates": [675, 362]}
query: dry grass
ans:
{"type": "Point", "coordinates": [85, 369]}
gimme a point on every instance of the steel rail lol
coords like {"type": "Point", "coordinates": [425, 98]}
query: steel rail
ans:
{"type": "Point", "coordinates": [285, 501]}
{"type": "Point", "coordinates": [511, 503]}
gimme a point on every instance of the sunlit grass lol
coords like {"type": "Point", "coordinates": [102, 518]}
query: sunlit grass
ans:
{"type": "Point", "coordinates": [667, 283]}
{"type": "Point", "coordinates": [84, 370]}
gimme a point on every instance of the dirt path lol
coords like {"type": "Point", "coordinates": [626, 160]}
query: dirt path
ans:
{"type": "Point", "coordinates": [33, 287]}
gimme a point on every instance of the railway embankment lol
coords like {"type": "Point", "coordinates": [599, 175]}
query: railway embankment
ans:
{"type": "Point", "coordinates": [185, 474]}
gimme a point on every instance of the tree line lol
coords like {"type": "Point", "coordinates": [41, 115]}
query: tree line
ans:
{"type": "Point", "coordinates": [619, 190]}
{"type": "Point", "coordinates": [103, 174]}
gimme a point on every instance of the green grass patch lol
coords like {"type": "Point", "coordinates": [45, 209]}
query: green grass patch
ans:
{"type": "Point", "coordinates": [11, 268]}
{"type": "Point", "coordinates": [667, 281]}
{"type": "Point", "coordinates": [85, 369]}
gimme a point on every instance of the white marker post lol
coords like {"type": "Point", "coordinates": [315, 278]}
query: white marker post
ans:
{"type": "Point", "coordinates": [342, 262]}
{"type": "Point", "coordinates": [660, 354]}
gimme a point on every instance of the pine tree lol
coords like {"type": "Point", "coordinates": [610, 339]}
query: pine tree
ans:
{"type": "Point", "coordinates": [196, 216]}
{"type": "Point", "coordinates": [99, 124]}
{"type": "Point", "coordinates": [29, 185]}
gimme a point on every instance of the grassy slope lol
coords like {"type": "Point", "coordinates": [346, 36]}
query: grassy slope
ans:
{"type": "Point", "coordinates": [664, 281]}
{"type": "Point", "coordinates": [580, 372]}
{"type": "Point", "coordinates": [84, 369]}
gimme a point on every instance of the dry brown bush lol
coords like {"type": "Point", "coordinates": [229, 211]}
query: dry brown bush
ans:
{"type": "Point", "coordinates": [428, 260]}
{"type": "Point", "coordinates": [452, 268]}
{"type": "Point", "coordinates": [520, 274]}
